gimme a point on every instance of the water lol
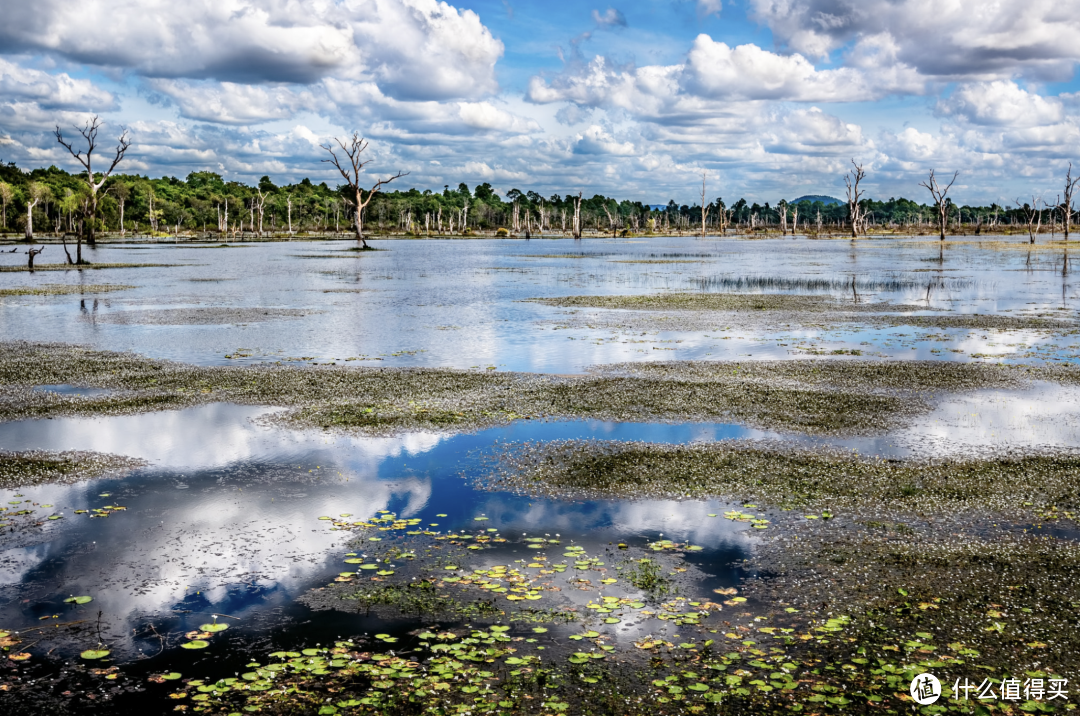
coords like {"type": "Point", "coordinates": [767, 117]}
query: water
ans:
{"type": "Point", "coordinates": [224, 519]}
{"type": "Point", "coordinates": [460, 303]}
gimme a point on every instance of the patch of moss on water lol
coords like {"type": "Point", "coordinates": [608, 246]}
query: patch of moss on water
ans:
{"type": "Point", "coordinates": [721, 302]}
{"type": "Point", "coordinates": [786, 475]}
{"type": "Point", "coordinates": [832, 626]}
{"type": "Point", "coordinates": [62, 289]}
{"type": "Point", "coordinates": [39, 467]}
{"type": "Point", "coordinates": [813, 397]}
{"type": "Point", "coordinates": [81, 267]}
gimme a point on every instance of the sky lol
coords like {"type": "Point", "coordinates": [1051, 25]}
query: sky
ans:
{"type": "Point", "coordinates": [770, 99]}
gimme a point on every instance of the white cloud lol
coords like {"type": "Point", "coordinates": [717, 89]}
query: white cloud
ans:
{"type": "Point", "coordinates": [597, 141]}
{"type": "Point", "coordinates": [715, 71]}
{"type": "Point", "coordinates": [610, 18]}
{"type": "Point", "coordinates": [232, 103]}
{"type": "Point", "coordinates": [52, 91]}
{"type": "Point", "coordinates": [413, 48]}
{"type": "Point", "coordinates": [956, 39]}
{"type": "Point", "coordinates": [1001, 104]}
{"type": "Point", "coordinates": [709, 7]}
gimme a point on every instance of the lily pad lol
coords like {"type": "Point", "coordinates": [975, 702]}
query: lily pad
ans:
{"type": "Point", "coordinates": [196, 644]}
{"type": "Point", "coordinates": [78, 600]}
{"type": "Point", "coordinates": [95, 653]}
{"type": "Point", "coordinates": [213, 628]}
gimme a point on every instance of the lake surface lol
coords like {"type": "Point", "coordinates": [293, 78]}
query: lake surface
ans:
{"type": "Point", "coordinates": [225, 517]}
{"type": "Point", "coordinates": [459, 303]}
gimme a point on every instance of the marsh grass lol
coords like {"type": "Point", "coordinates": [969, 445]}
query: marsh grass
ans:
{"type": "Point", "coordinates": [81, 267]}
{"type": "Point", "coordinates": [38, 467]}
{"type": "Point", "coordinates": [787, 476]}
{"type": "Point", "coordinates": [62, 289]}
{"type": "Point", "coordinates": [813, 397]}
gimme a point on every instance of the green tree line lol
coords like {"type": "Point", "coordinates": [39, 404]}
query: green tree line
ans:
{"type": "Point", "coordinates": [53, 201]}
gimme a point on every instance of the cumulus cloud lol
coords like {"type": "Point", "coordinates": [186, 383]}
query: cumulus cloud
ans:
{"type": "Point", "coordinates": [597, 141]}
{"type": "Point", "coordinates": [715, 71]}
{"type": "Point", "coordinates": [52, 91]}
{"type": "Point", "coordinates": [414, 48]}
{"type": "Point", "coordinates": [1001, 104]}
{"type": "Point", "coordinates": [232, 103]}
{"type": "Point", "coordinates": [958, 39]}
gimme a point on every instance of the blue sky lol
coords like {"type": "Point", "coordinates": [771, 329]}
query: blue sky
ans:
{"type": "Point", "coordinates": [770, 98]}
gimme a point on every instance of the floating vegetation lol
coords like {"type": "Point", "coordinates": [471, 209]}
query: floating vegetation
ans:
{"type": "Point", "coordinates": [37, 467]}
{"type": "Point", "coordinates": [827, 285]}
{"type": "Point", "coordinates": [721, 302]}
{"type": "Point", "coordinates": [787, 475]}
{"type": "Point", "coordinates": [841, 637]}
{"type": "Point", "coordinates": [63, 289]}
{"type": "Point", "coordinates": [200, 316]}
{"type": "Point", "coordinates": [816, 397]}
{"type": "Point", "coordinates": [81, 267]}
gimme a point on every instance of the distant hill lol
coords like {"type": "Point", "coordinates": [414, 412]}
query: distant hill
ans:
{"type": "Point", "coordinates": [815, 197]}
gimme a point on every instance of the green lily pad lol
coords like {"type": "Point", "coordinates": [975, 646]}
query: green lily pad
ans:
{"type": "Point", "coordinates": [95, 653]}
{"type": "Point", "coordinates": [56, 517]}
{"type": "Point", "coordinates": [78, 600]}
{"type": "Point", "coordinates": [213, 628]}
{"type": "Point", "coordinates": [196, 644]}
{"type": "Point", "coordinates": [172, 676]}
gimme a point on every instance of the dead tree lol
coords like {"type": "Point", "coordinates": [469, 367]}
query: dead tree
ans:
{"type": "Point", "coordinates": [90, 132]}
{"type": "Point", "coordinates": [704, 208]}
{"type": "Point", "coordinates": [32, 254]}
{"type": "Point", "coordinates": [122, 192]}
{"type": "Point", "coordinates": [37, 193]}
{"type": "Point", "coordinates": [6, 195]}
{"type": "Point", "coordinates": [1033, 217]}
{"type": "Point", "coordinates": [350, 166]}
{"type": "Point", "coordinates": [854, 194]}
{"type": "Point", "coordinates": [940, 195]}
{"type": "Point", "coordinates": [260, 205]}
{"type": "Point", "coordinates": [1066, 206]}
{"type": "Point", "coordinates": [577, 215]}
{"type": "Point", "coordinates": [794, 219]}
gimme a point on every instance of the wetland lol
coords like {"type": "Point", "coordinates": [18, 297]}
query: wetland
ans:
{"type": "Point", "coordinates": [661, 475]}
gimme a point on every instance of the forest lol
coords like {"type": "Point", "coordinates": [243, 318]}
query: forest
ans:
{"type": "Point", "coordinates": [54, 202]}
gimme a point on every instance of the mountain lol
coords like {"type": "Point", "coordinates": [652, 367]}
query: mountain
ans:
{"type": "Point", "coordinates": [816, 197]}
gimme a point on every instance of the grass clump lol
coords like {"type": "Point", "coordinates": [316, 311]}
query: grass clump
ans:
{"type": "Point", "coordinates": [787, 475]}
{"type": "Point", "coordinates": [719, 302]}
{"type": "Point", "coordinates": [39, 467]}
{"type": "Point", "coordinates": [81, 267]}
{"type": "Point", "coordinates": [814, 397]}
{"type": "Point", "coordinates": [62, 289]}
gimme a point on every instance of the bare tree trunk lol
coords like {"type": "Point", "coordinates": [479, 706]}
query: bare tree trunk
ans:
{"type": "Point", "coordinates": [852, 179]}
{"type": "Point", "coordinates": [1066, 207]}
{"type": "Point", "coordinates": [940, 195]}
{"type": "Point", "coordinates": [90, 133]}
{"type": "Point", "coordinates": [577, 216]}
{"type": "Point", "coordinates": [32, 254]}
{"type": "Point", "coordinates": [704, 209]}
{"type": "Point", "coordinates": [30, 218]}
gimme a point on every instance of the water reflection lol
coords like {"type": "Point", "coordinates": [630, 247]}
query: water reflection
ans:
{"type": "Point", "coordinates": [225, 520]}
{"type": "Point", "coordinates": [459, 303]}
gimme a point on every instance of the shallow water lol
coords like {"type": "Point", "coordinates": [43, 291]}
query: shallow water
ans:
{"type": "Point", "coordinates": [459, 303]}
{"type": "Point", "coordinates": [225, 517]}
